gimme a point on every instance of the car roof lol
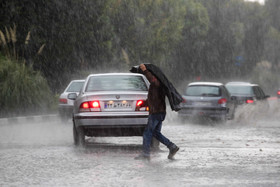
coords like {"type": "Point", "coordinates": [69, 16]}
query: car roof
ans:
{"type": "Point", "coordinates": [102, 74]}
{"type": "Point", "coordinates": [78, 81]}
{"type": "Point", "coordinates": [206, 83]}
{"type": "Point", "coordinates": [241, 84]}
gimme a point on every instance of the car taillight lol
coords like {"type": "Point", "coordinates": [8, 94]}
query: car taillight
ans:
{"type": "Point", "coordinates": [140, 106]}
{"type": "Point", "coordinates": [222, 101]}
{"type": "Point", "coordinates": [139, 103]}
{"type": "Point", "coordinates": [278, 93]}
{"type": "Point", "coordinates": [94, 104]}
{"type": "Point", "coordinates": [90, 106]}
{"type": "Point", "coordinates": [63, 101]}
{"type": "Point", "coordinates": [249, 101]}
{"type": "Point", "coordinates": [85, 105]}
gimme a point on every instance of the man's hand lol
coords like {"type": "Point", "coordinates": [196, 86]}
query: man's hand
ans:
{"type": "Point", "coordinates": [142, 67]}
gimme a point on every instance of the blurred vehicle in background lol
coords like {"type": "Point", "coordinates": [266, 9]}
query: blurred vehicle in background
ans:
{"type": "Point", "coordinates": [65, 107]}
{"type": "Point", "coordinates": [110, 104]}
{"type": "Point", "coordinates": [247, 93]}
{"type": "Point", "coordinates": [207, 99]}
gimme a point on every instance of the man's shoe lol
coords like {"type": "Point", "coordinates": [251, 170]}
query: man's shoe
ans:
{"type": "Point", "coordinates": [142, 157]}
{"type": "Point", "coordinates": [172, 151]}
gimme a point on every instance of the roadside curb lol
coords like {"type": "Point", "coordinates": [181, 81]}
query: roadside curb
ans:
{"type": "Point", "coordinates": [28, 119]}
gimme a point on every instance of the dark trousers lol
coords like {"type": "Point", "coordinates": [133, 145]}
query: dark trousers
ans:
{"type": "Point", "coordinates": [153, 130]}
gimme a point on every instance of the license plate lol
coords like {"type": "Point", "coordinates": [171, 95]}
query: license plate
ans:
{"type": "Point", "coordinates": [117, 105]}
{"type": "Point", "coordinates": [202, 104]}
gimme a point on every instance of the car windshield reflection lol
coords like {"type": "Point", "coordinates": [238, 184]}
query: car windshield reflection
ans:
{"type": "Point", "coordinates": [112, 83]}
{"type": "Point", "coordinates": [206, 91]}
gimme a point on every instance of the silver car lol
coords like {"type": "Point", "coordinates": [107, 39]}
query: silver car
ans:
{"type": "Point", "coordinates": [207, 99]}
{"type": "Point", "coordinates": [110, 104]}
{"type": "Point", "coordinates": [65, 107]}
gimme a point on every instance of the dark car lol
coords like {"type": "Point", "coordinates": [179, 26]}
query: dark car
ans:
{"type": "Point", "coordinates": [207, 99]}
{"type": "Point", "coordinates": [247, 93]}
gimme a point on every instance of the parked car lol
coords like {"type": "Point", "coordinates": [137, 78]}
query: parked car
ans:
{"type": "Point", "coordinates": [65, 108]}
{"type": "Point", "coordinates": [110, 104]}
{"type": "Point", "coordinates": [207, 99]}
{"type": "Point", "coordinates": [247, 93]}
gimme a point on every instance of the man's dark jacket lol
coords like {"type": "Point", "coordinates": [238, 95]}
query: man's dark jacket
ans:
{"type": "Point", "coordinates": [173, 96]}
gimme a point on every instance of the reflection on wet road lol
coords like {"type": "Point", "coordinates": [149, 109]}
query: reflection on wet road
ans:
{"type": "Point", "coordinates": [240, 153]}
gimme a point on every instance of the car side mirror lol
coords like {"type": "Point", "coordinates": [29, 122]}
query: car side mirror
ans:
{"type": "Point", "coordinates": [72, 96]}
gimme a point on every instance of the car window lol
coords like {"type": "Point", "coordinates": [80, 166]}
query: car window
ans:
{"type": "Point", "coordinates": [75, 87]}
{"type": "Point", "coordinates": [203, 90]}
{"type": "Point", "coordinates": [240, 89]}
{"type": "Point", "coordinates": [116, 82]}
{"type": "Point", "coordinates": [225, 92]}
{"type": "Point", "coordinates": [262, 95]}
{"type": "Point", "coordinates": [260, 92]}
{"type": "Point", "coordinates": [257, 92]}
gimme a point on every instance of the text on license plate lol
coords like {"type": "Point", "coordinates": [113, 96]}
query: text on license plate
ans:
{"type": "Point", "coordinates": [121, 104]}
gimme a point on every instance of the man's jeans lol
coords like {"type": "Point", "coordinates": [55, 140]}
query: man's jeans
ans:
{"type": "Point", "coordinates": [153, 130]}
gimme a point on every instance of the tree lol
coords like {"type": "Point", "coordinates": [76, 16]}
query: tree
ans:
{"type": "Point", "coordinates": [272, 37]}
{"type": "Point", "coordinates": [147, 30]}
{"type": "Point", "coordinates": [188, 54]}
{"type": "Point", "coordinates": [22, 90]}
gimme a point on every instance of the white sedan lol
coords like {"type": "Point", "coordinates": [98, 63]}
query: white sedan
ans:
{"type": "Point", "coordinates": [65, 107]}
{"type": "Point", "coordinates": [110, 104]}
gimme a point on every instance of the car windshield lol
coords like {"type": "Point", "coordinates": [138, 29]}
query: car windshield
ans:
{"type": "Point", "coordinates": [75, 87]}
{"type": "Point", "coordinates": [116, 82]}
{"type": "Point", "coordinates": [203, 90]}
{"type": "Point", "coordinates": [240, 89]}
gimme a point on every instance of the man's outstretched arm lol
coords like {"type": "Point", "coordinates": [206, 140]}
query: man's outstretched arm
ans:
{"type": "Point", "coordinates": [151, 78]}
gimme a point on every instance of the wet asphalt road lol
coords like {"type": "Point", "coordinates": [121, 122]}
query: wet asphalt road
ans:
{"type": "Point", "coordinates": [244, 152]}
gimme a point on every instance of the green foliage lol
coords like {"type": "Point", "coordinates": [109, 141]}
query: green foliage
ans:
{"type": "Point", "coordinates": [188, 53]}
{"type": "Point", "coordinates": [147, 30]}
{"type": "Point", "coordinates": [186, 38]}
{"type": "Point", "coordinates": [272, 8]}
{"type": "Point", "coordinates": [22, 90]}
{"type": "Point", "coordinates": [263, 75]}
{"type": "Point", "coordinates": [272, 48]}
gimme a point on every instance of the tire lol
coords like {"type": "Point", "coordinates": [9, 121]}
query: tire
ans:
{"type": "Point", "coordinates": [79, 136]}
{"type": "Point", "coordinates": [75, 135]}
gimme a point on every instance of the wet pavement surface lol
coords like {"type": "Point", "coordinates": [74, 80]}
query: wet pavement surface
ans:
{"type": "Point", "coordinates": [243, 152]}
